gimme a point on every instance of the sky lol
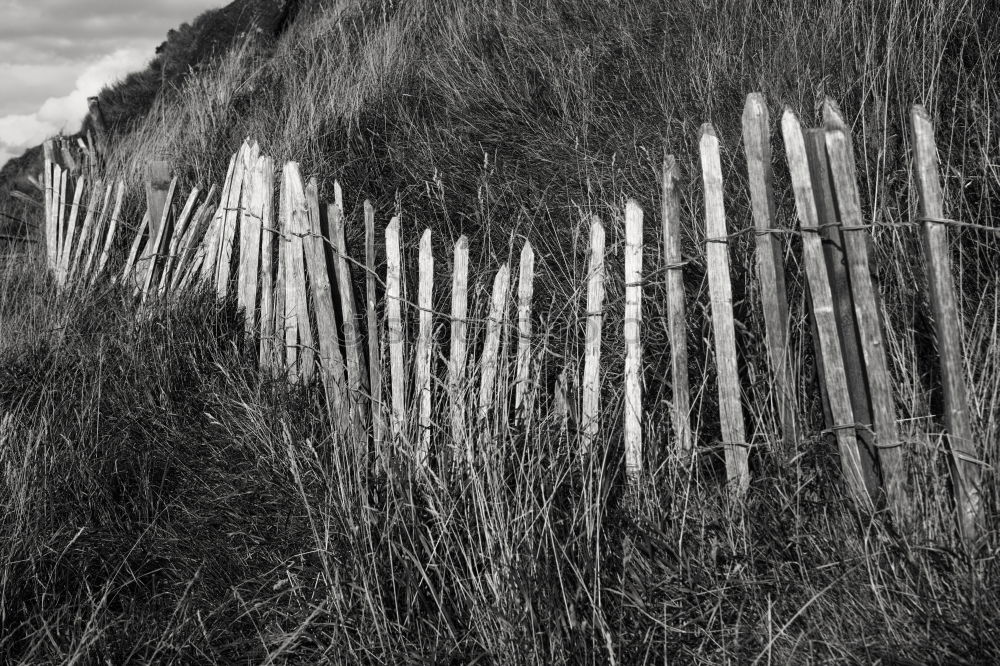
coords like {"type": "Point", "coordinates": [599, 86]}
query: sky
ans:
{"type": "Point", "coordinates": [54, 54]}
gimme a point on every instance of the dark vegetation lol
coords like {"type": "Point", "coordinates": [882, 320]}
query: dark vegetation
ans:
{"type": "Point", "coordinates": [164, 501]}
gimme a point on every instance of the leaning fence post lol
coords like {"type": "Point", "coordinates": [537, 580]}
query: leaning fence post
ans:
{"type": "Point", "coordinates": [356, 377]}
{"type": "Point", "coordinates": [267, 238]}
{"type": "Point", "coordinates": [590, 417]}
{"type": "Point", "coordinates": [192, 247]}
{"type": "Point", "coordinates": [133, 253]}
{"type": "Point", "coordinates": [112, 230]}
{"type": "Point", "coordinates": [95, 241]}
{"type": "Point", "coordinates": [48, 178]}
{"type": "Point", "coordinates": [394, 322]}
{"type": "Point", "coordinates": [823, 313]}
{"type": "Point", "coordinates": [61, 223]}
{"type": "Point", "coordinates": [422, 387]}
{"type": "Point", "coordinates": [96, 188]}
{"type": "Point", "coordinates": [212, 242]}
{"type": "Point", "coordinates": [490, 360]}
{"type": "Point", "coordinates": [281, 317]}
{"type": "Point", "coordinates": [374, 355]}
{"type": "Point", "coordinates": [770, 264]}
{"type": "Point", "coordinates": [331, 359]}
{"type": "Point", "coordinates": [457, 389]}
{"type": "Point", "coordinates": [52, 216]}
{"type": "Point", "coordinates": [633, 341]}
{"type": "Point", "coordinates": [720, 288]}
{"type": "Point", "coordinates": [676, 317]}
{"type": "Point", "coordinates": [184, 220]}
{"type": "Point", "coordinates": [67, 249]}
{"type": "Point", "coordinates": [525, 290]}
{"type": "Point", "coordinates": [966, 458]}
{"type": "Point", "coordinates": [64, 230]}
{"type": "Point", "coordinates": [231, 213]}
{"type": "Point", "coordinates": [843, 307]}
{"type": "Point", "coordinates": [856, 238]}
{"type": "Point", "coordinates": [298, 336]}
{"type": "Point", "coordinates": [251, 220]}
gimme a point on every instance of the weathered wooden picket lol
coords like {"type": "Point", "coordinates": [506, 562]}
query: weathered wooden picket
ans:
{"type": "Point", "coordinates": [294, 282]}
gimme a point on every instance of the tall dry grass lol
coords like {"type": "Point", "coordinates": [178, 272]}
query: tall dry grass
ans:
{"type": "Point", "coordinates": [164, 501]}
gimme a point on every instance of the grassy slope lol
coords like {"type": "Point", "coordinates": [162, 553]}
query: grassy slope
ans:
{"type": "Point", "coordinates": [163, 501]}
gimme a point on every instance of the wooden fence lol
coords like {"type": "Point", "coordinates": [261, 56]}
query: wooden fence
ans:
{"type": "Point", "coordinates": [294, 282]}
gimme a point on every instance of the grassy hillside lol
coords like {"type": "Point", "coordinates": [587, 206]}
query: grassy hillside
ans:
{"type": "Point", "coordinates": [164, 501]}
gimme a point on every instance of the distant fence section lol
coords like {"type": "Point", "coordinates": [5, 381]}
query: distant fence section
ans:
{"type": "Point", "coordinates": [288, 267]}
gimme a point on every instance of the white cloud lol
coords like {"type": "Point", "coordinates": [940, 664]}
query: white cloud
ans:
{"type": "Point", "coordinates": [33, 83]}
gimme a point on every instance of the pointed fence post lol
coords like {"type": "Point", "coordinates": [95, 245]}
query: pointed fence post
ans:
{"type": "Point", "coordinates": [281, 321]}
{"type": "Point", "coordinates": [676, 316]}
{"type": "Point", "coordinates": [211, 244]}
{"type": "Point", "coordinates": [232, 212]}
{"type": "Point", "coordinates": [95, 241]}
{"type": "Point", "coordinates": [843, 306]}
{"type": "Point", "coordinates": [288, 230]}
{"type": "Point", "coordinates": [181, 253]}
{"type": "Point", "coordinates": [54, 214]}
{"type": "Point", "coordinates": [357, 381]}
{"type": "Point", "coordinates": [523, 390]}
{"type": "Point", "coordinates": [66, 252]}
{"type": "Point", "coordinates": [770, 265]}
{"type": "Point", "coordinates": [720, 288]}
{"type": "Point", "coordinates": [67, 249]}
{"type": "Point", "coordinates": [60, 224]}
{"type": "Point", "coordinates": [96, 188]}
{"type": "Point", "coordinates": [298, 338]}
{"type": "Point", "coordinates": [394, 323]}
{"type": "Point", "coordinates": [133, 253]}
{"type": "Point", "coordinates": [966, 459]}
{"type": "Point", "coordinates": [48, 178]}
{"type": "Point", "coordinates": [457, 388]}
{"type": "Point", "coordinates": [590, 419]}
{"type": "Point", "coordinates": [331, 359]}
{"type": "Point", "coordinates": [856, 239]}
{"type": "Point", "coordinates": [633, 340]}
{"type": "Point", "coordinates": [191, 252]}
{"type": "Point", "coordinates": [422, 387]}
{"type": "Point", "coordinates": [180, 228]}
{"type": "Point", "coordinates": [267, 240]}
{"type": "Point", "coordinates": [824, 316]}
{"type": "Point", "coordinates": [251, 223]}
{"type": "Point", "coordinates": [490, 360]}
{"type": "Point", "coordinates": [374, 336]}
{"type": "Point", "coordinates": [112, 231]}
